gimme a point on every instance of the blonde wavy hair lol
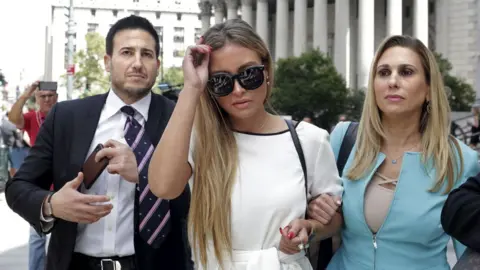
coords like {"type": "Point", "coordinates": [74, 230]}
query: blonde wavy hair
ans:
{"type": "Point", "coordinates": [215, 152]}
{"type": "Point", "coordinates": [434, 122]}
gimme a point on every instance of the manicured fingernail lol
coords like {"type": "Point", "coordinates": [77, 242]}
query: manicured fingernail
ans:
{"type": "Point", "coordinates": [281, 231]}
{"type": "Point", "coordinates": [291, 235]}
{"type": "Point", "coordinates": [339, 202]}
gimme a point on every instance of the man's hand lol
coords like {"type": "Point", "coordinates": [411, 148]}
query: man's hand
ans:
{"type": "Point", "coordinates": [70, 205]}
{"type": "Point", "coordinates": [29, 90]}
{"type": "Point", "coordinates": [323, 208]}
{"type": "Point", "coordinates": [122, 160]}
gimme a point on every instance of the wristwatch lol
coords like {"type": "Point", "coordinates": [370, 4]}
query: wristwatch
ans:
{"type": "Point", "coordinates": [48, 206]}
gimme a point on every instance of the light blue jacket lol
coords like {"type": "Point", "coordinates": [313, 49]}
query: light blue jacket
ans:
{"type": "Point", "coordinates": [411, 236]}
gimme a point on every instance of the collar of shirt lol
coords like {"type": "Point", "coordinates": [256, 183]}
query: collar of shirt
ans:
{"type": "Point", "coordinates": [113, 104]}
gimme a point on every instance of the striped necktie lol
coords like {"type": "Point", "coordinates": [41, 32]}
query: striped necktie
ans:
{"type": "Point", "coordinates": [154, 213]}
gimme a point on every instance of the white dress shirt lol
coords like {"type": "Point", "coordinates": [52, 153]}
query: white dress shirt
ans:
{"type": "Point", "coordinates": [113, 234]}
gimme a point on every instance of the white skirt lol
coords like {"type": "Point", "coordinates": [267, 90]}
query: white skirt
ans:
{"type": "Point", "coordinates": [266, 259]}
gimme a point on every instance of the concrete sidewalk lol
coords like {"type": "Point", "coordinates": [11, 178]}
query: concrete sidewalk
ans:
{"type": "Point", "coordinates": [14, 233]}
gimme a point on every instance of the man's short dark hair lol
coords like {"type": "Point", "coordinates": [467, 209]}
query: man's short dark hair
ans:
{"type": "Point", "coordinates": [131, 22]}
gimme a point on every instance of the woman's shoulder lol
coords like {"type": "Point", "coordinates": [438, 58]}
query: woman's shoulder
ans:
{"type": "Point", "coordinates": [468, 155]}
{"type": "Point", "coordinates": [311, 134]}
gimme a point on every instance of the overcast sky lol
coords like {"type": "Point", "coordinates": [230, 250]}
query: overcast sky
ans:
{"type": "Point", "coordinates": [22, 40]}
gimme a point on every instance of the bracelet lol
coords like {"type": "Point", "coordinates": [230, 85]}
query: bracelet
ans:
{"type": "Point", "coordinates": [49, 204]}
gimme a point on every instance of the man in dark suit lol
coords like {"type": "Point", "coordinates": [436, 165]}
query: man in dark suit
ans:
{"type": "Point", "coordinates": [461, 213]}
{"type": "Point", "coordinates": [117, 221]}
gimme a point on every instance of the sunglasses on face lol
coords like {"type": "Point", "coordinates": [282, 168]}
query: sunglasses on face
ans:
{"type": "Point", "coordinates": [222, 83]}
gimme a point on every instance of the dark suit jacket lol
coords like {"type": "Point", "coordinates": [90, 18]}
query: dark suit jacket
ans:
{"type": "Point", "coordinates": [58, 155]}
{"type": "Point", "coordinates": [461, 213]}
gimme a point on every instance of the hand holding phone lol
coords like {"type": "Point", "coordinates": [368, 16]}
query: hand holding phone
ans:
{"type": "Point", "coordinates": [92, 169]}
{"type": "Point", "coordinates": [47, 86]}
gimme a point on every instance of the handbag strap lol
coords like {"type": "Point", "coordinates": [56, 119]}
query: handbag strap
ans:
{"type": "Point", "coordinates": [347, 145]}
{"type": "Point", "coordinates": [301, 156]}
{"type": "Point", "coordinates": [325, 253]}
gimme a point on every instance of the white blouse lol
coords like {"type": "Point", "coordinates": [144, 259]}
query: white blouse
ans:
{"type": "Point", "coordinates": [269, 193]}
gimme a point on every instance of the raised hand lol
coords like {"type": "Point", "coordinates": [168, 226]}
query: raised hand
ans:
{"type": "Point", "coordinates": [195, 75]}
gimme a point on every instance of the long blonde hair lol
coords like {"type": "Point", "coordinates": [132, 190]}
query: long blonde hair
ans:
{"type": "Point", "coordinates": [215, 152]}
{"type": "Point", "coordinates": [434, 122]}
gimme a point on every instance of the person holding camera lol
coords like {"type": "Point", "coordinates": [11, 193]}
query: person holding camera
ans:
{"type": "Point", "coordinates": [31, 122]}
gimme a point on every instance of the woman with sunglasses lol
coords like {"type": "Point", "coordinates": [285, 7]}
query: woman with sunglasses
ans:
{"type": "Point", "coordinates": [246, 176]}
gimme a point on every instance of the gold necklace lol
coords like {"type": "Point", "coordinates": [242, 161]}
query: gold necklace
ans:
{"type": "Point", "coordinates": [264, 122]}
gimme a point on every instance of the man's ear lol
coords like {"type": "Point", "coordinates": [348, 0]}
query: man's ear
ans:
{"type": "Point", "coordinates": [107, 60]}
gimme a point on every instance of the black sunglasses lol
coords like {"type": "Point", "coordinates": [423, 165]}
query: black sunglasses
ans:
{"type": "Point", "coordinates": [222, 83]}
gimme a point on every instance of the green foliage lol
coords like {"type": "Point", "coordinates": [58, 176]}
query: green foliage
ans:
{"type": "Point", "coordinates": [310, 85]}
{"type": "Point", "coordinates": [90, 78]}
{"type": "Point", "coordinates": [462, 94]}
{"type": "Point", "coordinates": [3, 82]}
{"type": "Point", "coordinates": [172, 76]}
{"type": "Point", "coordinates": [354, 108]}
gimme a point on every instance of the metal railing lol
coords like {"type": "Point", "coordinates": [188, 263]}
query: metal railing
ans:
{"type": "Point", "coordinates": [464, 132]}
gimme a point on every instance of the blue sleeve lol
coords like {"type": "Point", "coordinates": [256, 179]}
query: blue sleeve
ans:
{"type": "Point", "coordinates": [336, 137]}
{"type": "Point", "coordinates": [471, 168]}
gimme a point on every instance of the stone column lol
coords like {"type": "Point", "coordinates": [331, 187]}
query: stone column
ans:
{"type": "Point", "coordinates": [247, 14]}
{"type": "Point", "coordinates": [219, 11]}
{"type": "Point", "coordinates": [205, 14]}
{"type": "Point", "coordinates": [352, 80]}
{"type": "Point", "coordinates": [320, 25]}
{"type": "Point", "coordinates": [441, 27]}
{"type": "Point", "coordinates": [420, 20]}
{"type": "Point", "coordinates": [281, 30]}
{"type": "Point", "coordinates": [394, 17]}
{"type": "Point", "coordinates": [341, 50]}
{"type": "Point", "coordinates": [232, 9]}
{"type": "Point", "coordinates": [366, 40]}
{"type": "Point", "coordinates": [262, 20]}
{"type": "Point", "coordinates": [299, 27]}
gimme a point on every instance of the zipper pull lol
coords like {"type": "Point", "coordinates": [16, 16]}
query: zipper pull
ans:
{"type": "Point", "coordinates": [375, 241]}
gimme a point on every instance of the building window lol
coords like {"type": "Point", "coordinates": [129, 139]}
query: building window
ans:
{"type": "Point", "coordinates": [178, 2]}
{"type": "Point", "coordinates": [158, 1]}
{"type": "Point", "coordinates": [115, 13]}
{"type": "Point", "coordinates": [92, 27]}
{"type": "Point", "coordinates": [178, 53]}
{"type": "Point", "coordinates": [198, 34]}
{"type": "Point", "coordinates": [159, 31]}
{"type": "Point", "coordinates": [331, 45]}
{"type": "Point", "coordinates": [178, 41]}
{"type": "Point", "coordinates": [93, 12]}
{"type": "Point", "coordinates": [157, 14]}
{"type": "Point", "coordinates": [179, 16]}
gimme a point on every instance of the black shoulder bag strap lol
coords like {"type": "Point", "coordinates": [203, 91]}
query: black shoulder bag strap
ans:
{"type": "Point", "coordinates": [347, 145]}
{"type": "Point", "coordinates": [325, 253]}
{"type": "Point", "coordinates": [298, 147]}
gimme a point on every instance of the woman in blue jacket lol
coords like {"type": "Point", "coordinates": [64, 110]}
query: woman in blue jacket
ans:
{"type": "Point", "coordinates": [402, 167]}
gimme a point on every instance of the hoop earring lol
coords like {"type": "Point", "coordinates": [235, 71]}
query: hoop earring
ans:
{"type": "Point", "coordinates": [429, 107]}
